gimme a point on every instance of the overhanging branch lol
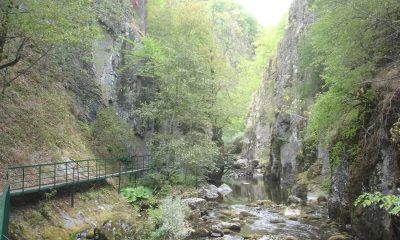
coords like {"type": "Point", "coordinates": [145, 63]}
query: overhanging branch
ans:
{"type": "Point", "coordinates": [18, 56]}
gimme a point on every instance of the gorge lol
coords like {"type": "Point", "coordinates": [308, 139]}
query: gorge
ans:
{"type": "Point", "coordinates": [301, 120]}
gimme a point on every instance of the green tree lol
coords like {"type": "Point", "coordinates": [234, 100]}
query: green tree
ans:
{"type": "Point", "coordinates": [349, 41]}
{"type": "Point", "coordinates": [111, 134]}
{"type": "Point", "coordinates": [30, 29]}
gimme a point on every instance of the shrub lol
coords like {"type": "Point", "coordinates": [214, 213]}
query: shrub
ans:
{"type": "Point", "coordinates": [111, 134]}
{"type": "Point", "coordinates": [390, 203]}
{"type": "Point", "coordinates": [170, 218]}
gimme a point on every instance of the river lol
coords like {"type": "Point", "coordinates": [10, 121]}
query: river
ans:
{"type": "Point", "coordinates": [272, 219]}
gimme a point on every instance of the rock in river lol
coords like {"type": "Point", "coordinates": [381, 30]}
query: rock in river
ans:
{"type": "Point", "coordinates": [195, 203]}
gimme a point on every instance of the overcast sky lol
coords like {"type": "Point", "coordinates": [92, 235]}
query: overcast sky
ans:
{"type": "Point", "coordinates": [268, 12]}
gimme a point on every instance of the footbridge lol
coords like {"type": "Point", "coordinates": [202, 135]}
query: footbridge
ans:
{"type": "Point", "coordinates": [27, 179]}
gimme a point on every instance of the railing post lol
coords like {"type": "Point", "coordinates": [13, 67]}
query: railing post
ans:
{"type": "Point", "coordinates": [77, 168]}
{"type": "Point", "coordinates": [105, 167]}
{"type": "Point", "coordinates": [54, 175]}
{"type": "Point", "coordinates": [196, 179]}
{"type": "Point", "coordinates": [40, 176]}
{"type": "Point", "coordinates": [72, 196]}
{"type": "Point", "coordinates": [23, 179]}
{"type": "Point", "coordinates": [88, 173]}
{"type": "Point", "coordinates": [96, 169]}
{"type": "Point", "coordinates": [66, 172]}
{"type": "Point", "coordinates": [5, 212]}
{"type": "Point", "coordinates": [119, 177]}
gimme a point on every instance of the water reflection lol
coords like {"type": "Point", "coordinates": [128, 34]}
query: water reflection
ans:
{"type": "Point", "coordinates": [247, 190]}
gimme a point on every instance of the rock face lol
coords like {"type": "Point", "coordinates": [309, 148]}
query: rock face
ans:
{"type": "Point", "coordinates": [102, 81]}
{"type": "Point", "coordinates": [275, 134]}
{"type": "Point", "coordinates": [376, 169]}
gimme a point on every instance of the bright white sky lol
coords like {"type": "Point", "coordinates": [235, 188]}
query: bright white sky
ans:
{"type": "Point", "coordinates": [267, 12]}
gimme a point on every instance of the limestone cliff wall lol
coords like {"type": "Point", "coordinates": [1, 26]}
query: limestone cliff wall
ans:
{"type": "Point", "coordinates": [42, 115]}
{"type": "Point", "coordinates": [274, 127]}
{"type": "Point", "coordinates": [107, 84]}
{"type": "Point", "coordinates": [275, 135]}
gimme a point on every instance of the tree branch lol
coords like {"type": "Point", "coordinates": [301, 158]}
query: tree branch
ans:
{"type": "Point", "coordinates": [18, 56]}
{"type": "Point", "coordinates": [8, 83]}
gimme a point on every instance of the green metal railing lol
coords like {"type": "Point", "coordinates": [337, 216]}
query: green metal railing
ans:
{"type": "Point", "coordinates": [4, 212]}
{"type": "Point", "coordinates": [42, 177]}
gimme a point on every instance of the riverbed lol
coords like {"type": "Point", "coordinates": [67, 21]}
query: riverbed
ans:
{"type": "Point", "coordinates": [261, 209]}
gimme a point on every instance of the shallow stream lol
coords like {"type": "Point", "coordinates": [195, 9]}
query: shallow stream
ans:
{"type": "Point", "coordinates": [273, 220]}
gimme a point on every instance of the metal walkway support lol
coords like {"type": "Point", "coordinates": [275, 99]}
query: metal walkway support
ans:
{"type": "Point", "coordinates": [4, 212]}
{"type": "Point", "coordinates": [42, 177]}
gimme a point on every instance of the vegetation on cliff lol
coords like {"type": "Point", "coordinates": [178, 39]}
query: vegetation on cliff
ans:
{"type": "Point", "coordinates": [347, 44]}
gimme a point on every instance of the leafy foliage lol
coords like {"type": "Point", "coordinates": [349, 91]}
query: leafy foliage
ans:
{"type": "Point", "coordinates": [345, 46]}
{"type": "Point", "coordinates": [111, 134]}
{"type": "Point", "coordinates": [43, 24]}
{"type": "Point", "coordinates": [170, 219]}
{"type": "Point", "coordinates": [133, 194]}
{"type": "Point", "coordinates": [250, 74]}
{"type": "Point", "coordinates": [390, 203]}
{"type": "Point", "coordinates": [395, 133]}
{"type": "Point", "coordinates": [193, 155]}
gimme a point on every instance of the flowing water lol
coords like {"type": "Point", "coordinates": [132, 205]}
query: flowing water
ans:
{"type": "Point", "coordinates": [273, 220]}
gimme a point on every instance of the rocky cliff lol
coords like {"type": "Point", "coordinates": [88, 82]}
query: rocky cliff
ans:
{"type": "Point", "coordinates": [45, 114]}
{"type": "Point", "coordinates": [276, 136]}
{"type": "Point", "coordinates": [275, 125]}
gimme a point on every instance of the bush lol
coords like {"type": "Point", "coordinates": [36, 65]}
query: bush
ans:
{"type": "Point", "coordinates": [170, 218]}
{"type": "Point", "coordinates": [133, 194]}
{"type": "Point", "coordinates": [112, 135]}
{"type": "Point", "coordinates": [390, 203]}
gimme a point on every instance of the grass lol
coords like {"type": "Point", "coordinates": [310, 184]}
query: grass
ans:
{"type": "Point", "coordinates": [38, 123]}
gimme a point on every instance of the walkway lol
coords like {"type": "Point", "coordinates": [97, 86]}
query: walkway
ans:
{"type": "Point", "coordinates": [42, 177]}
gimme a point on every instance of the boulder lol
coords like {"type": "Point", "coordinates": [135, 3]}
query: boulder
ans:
{"type": "Point", "coordinates": [266, 238]}
{"type": "Point", "coordinates": [231, 226]}
{"type": "Point", "coordinates": [263, 202]}
{"type": "Point", "coordinates": [195, 203]}
{"type": "Point", "coordinates": [291, 212]}
{"type": "Point", "coordinates": [210, 193]}
{"type": "Point", "coordinates": [213, 197]}
{"type": "Point", "coordinates": [253, 236]}
{"type": "Point", "coordinates": [291, 238]}
{"type": "Point", "coordinates": [339, 237]}
{"type": "Point", "coordinates": [322, 199]}
{"type": "Point", "coordinates": [294, 200]}
{"type": "Point", "coordinates": [212, 188]}
{"type": "Point", "coordinates": [245, 214]}
{"type": "Point", "coordinates": [228, 213]}
{"type": "Point", "coordinates": [114, 230]}
{"type": "Point", "coordinates": [216, 235]}
{"type": "Point", "coordinates": [216, 231]}
{"type": "Point", "coordinates": [255, 164]}
{"type": "Point", "coordinates": [199, 232]}
{"type": "Point", "coordinates": [277, 220]}
{"type": "Point", "coordinates": [241, 163]}
{"type": "Point", "coordinates": [300, 191]}
{"type": "Point", "coordinates": [224, 189]}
